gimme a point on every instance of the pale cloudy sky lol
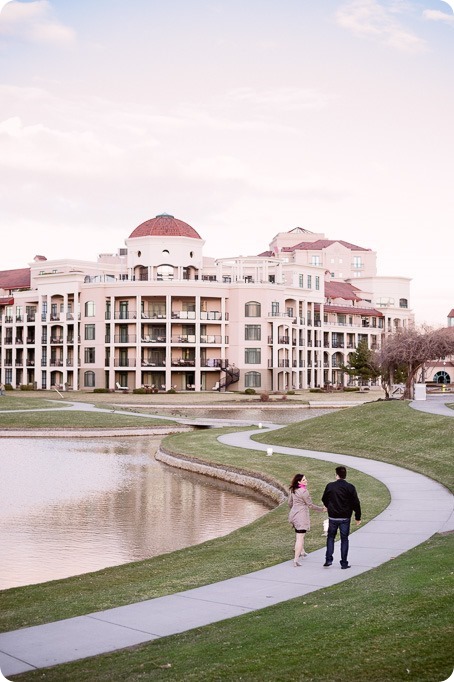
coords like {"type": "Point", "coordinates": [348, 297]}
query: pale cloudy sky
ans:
{"type": "Point", "coordinates": [243, 118]}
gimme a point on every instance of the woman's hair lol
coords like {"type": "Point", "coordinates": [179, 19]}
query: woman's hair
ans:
{"type": "Point", "coordinates": [295, 480]}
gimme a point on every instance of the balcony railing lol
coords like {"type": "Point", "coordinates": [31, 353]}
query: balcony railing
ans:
{"type": "Point", "coordinates": [124, 338]}
{"type": "Point", "coordinates": [153, 339]}
{"type": "Point", "coordinates": [125, 314]}
{"type": "Point", "coordinates": [124, 362]}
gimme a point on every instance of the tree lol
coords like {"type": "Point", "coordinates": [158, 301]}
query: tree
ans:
{"type": "Point", "coordinates": [361, 363]}
{"type": "Point", "coordinates": [407, 350]}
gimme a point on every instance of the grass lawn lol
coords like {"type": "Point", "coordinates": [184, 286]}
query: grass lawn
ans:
{"type": "Point", "coordinates": [390, 624]}
{"type": "Point", "coordinates": [389, 431]}
{"type": "Point", "coordinates": [13, 418]}
{"type": "Point", "coordinates": [12, 402]}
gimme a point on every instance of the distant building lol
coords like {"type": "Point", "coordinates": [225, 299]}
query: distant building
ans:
{"type": "Point", "coordinates": [161, 315]}
{"type": "Point", "coordinates": [440, 371]}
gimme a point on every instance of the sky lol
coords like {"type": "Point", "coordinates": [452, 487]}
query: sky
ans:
{"type": "Point", "coordinates": [243, 118]}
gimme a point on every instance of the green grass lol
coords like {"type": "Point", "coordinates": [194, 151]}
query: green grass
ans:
{"type": "Point", "coordinates": [64, 418]}
{"type": "Point", "coordinates": [389, 431]}
{"type": "Point", "coordinates": [9, 402]}
{"type": "Point", "coordinates": [388, 624]}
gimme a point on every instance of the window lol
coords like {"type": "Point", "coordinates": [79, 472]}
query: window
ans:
{"type": "Point", "coordinates": [403, 303]}
{"type": "Point", "coordinates": [89, 355]}
{"type": "Point", "coordinates": [89, 379]}
{"type": "Point", "coordinates": [357, 263]}
{"type": "Point", "coordinates": [89, 332]}
{"type": "Point", "coordinates": [341, 319]}
{"type": "Point", "coordinates": [252, 380]}
{"type": "Point", "coordinates": [301, 280]}
{"type": "Point", "coordinates": [309, 281]}
{"type": "Point", "coordinates": [317, 283]}
{"type": "Point", "coordinates": [164, 272]}
{"type": "Point", "coordinates": [333, 274]}
{"type": "Point", "coordinates": [252, 332]}
{"type": "Point", "coordinates": [90, 309]}
{"type": "Point", "coordinates": [252, 356]}
{"type": "Point", "coordinates": [252, 309]}
{"type": "Point", "coordinates": [315, 260]}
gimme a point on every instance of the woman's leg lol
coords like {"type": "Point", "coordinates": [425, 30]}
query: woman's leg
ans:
{"type": "Point", "coordinates": [299, 545]}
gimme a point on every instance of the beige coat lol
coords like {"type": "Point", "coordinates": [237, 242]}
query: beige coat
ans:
{"type": "Point", "coordinates": [300, 502]}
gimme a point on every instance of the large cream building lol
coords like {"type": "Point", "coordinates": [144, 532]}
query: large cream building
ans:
{"type": "Point", "coordinates": [161, 314]}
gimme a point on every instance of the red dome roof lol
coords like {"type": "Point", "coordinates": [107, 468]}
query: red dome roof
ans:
{"type": "Point", "coordinates": [164, 225]}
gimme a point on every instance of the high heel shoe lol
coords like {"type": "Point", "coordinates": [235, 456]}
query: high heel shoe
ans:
{"type": "Point", "coordinates": [303, 555]}
{"type": "Point", "coordinates": [296, 564]}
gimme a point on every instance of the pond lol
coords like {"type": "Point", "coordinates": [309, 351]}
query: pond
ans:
{"type": "Point", "coordinates": [74, 506]}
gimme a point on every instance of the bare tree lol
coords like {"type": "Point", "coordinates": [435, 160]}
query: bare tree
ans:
{"type": "Point", "coordinates": [407, 350]}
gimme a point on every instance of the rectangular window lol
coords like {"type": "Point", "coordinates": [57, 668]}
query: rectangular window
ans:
{"type": "Point", "coordinates": [357, 263]}
{"type": "Point", "coordinates": [315, 260]}
{"type": "Point", "coordinates": [309, 281]}
{"type": "Point", "coordinates": [301, 280]}
{"type": "Point", "coordinates": [252, 380]}
{"type": "Point", "coordinates": [89, 332]}
{"type": "Point", "coordinates": [252, 356]}
{"type": "Point", "coordinates": [89, 355]}
{"type": "Point", "coordinates": [252, 332]}
{"type": "Point", "coordinates": [317, 283]}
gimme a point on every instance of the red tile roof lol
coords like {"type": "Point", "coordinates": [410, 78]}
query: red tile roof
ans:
{"type": "Point", "coordinates": [164, 225]}
{"type": "Point", "coordinates": [451, 314]}
{"type": "Point", "coordinates": [323, 244]}
{"type": "Point", "coordinates": [342, 290]}
{"type": "Point", "coordinates": [350, 310]}
{"type": "Point", "coordinates": [15, 279]}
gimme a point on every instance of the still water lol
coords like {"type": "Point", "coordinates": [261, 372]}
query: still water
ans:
{"type": "Point", "coordinates": [73, 506]}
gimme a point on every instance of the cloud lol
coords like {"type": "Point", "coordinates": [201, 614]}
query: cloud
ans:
{"type": "Point", "coordinates": [289, 99]}
{"type": "Point", "coordinates": [34, 22]}
{"type": "Point", "coordinates": [377, 21]}
{"type": "Point", "coordinates": [436, 15]}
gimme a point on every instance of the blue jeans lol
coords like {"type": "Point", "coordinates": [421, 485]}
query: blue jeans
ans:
{"type": "Point", "coordinates": [344, 527]}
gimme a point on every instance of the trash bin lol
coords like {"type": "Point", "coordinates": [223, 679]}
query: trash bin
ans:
{"type": "Point", "coordinates": [420, 391]}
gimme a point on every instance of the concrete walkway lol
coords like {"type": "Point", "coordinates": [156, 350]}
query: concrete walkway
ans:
{"type": "Point", "coordinates": [388, 535]}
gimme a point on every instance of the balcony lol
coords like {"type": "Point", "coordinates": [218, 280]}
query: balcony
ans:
{"type": "Point", "coordinates": [57, 340]}
{"type": "Point", "coordinates": [125, 314]}
{"type": "Point", "coordinates": [124, 338]}
{"type": "Point", "coordinates": [124, 362]}
{"type": "Point", "coordinates": [154, 339]}
{"type": "Point", "coordinates": [56, 363]}
{"type": "Point", "coordinates": [180, 362]}
{"type": "Point", "coordinates": [218, 363]}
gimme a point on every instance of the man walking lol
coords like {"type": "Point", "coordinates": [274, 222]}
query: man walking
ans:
{"type": "Point", "coordinates": [341, 500]}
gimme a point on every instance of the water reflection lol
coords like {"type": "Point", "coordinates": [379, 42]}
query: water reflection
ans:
{"type": "Point", "coordinates": [73, 506]}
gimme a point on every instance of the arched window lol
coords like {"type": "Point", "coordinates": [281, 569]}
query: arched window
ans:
{"type": "Point", "coordinates": [442, 377]}
{"type": "Point", "coordinates": [403, 303]}
{"type": "Point", "coordinates": [252, 380]}
{"type": "Point", "coordinates": [90, 309]}
{"type": "Point", "coordinates": [252, 309]}
{"type": "Point", "coordinates": [89, 379]}
{"type": "Point", "coordinates": [164, 272]}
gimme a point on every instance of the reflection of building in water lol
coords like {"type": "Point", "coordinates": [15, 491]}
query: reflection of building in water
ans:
{"type": "Point", "coordinates": [109, 503]}
{"type": "Point", "coordinates": [159, 314]}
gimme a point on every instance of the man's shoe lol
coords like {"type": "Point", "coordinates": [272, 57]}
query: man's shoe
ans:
{"type": "Point", "coordinates": [327, 563]}
{"type": "Point", "coordinates": [348, 566]}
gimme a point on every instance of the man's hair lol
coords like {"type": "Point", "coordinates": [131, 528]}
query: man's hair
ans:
{"type": "Point", "coordinates": [341, 472]}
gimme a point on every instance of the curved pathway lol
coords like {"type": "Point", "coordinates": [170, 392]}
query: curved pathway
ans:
{"type": "Point", "coordinates": [388, 535]}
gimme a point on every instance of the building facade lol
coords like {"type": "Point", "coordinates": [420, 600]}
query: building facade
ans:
{"type": "Point", "coordinates": [159, 314]}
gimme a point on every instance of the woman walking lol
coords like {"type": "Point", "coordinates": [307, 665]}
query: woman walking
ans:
{"type": "Point", "coordinates": [300, 502]}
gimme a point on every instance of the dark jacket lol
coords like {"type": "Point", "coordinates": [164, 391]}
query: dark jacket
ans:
{"type": "Point", "coordinates": [341, 500]}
